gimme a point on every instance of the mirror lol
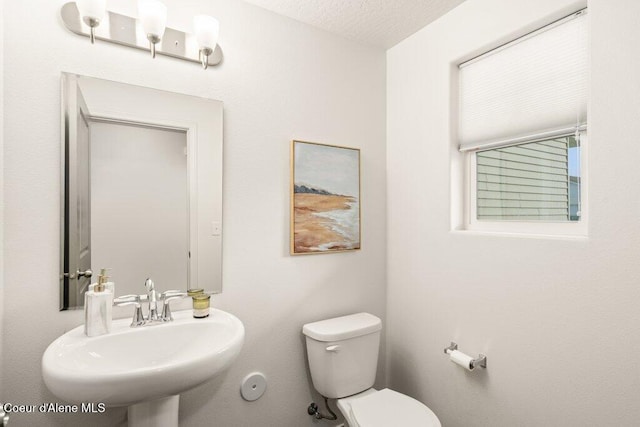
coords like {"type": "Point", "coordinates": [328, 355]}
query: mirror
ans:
{"type": "Point", "coordinates": [141, 188]}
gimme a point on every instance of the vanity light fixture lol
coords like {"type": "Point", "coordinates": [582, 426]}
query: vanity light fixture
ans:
{"type": "Point", "coordinates": [147, 32]}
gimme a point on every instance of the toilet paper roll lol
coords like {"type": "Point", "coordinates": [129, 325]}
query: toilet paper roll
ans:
{"type": "Point", "coordinates": [459, 358]}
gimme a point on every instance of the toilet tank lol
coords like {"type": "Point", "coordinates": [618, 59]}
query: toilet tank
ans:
{"type": "Point", "coordinates": [343, 353]}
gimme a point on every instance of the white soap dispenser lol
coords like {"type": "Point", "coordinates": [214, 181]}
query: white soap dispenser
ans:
{"type": "Point", "coordinates": [98, 303]}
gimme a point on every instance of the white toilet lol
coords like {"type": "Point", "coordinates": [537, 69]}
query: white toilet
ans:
{"type": "Point", "coordinates": [343, 358]}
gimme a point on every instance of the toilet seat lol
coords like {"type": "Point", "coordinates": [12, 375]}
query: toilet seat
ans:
{"type": "Point", "coordinates": [385, 408]}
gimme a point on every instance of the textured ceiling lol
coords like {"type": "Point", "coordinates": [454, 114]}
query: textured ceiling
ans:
{"type": "Point", "coordinates": [381, 23]}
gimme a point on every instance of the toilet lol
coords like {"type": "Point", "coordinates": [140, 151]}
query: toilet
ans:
{"type": "Point", "coordinates": [343, 358]}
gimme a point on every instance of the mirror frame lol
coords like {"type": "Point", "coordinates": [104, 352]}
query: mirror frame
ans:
{"type": "Point", "coordinates": [201, 119]}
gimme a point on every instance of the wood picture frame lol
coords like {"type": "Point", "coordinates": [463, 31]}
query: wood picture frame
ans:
{"type": "Point", "coordinates": [325, 198]}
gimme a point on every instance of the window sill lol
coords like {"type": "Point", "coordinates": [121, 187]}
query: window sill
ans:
{"type": "Point", "coordinates": [520, 235]}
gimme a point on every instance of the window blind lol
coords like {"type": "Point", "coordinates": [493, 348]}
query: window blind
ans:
{"type": "Point", "coordinates": [535, 85]}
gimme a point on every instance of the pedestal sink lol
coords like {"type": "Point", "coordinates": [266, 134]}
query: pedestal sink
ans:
{"type": "Point", "coordinates": [145, 368]}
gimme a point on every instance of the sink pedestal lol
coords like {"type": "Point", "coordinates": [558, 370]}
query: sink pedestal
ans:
{"type": "Point", "coordinates": [155, 413]}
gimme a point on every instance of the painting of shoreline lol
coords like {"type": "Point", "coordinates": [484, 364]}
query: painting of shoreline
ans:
{"type": "Point", "coordinates": [325, 198]}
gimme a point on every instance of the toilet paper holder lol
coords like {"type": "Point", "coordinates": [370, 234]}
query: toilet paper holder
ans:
{"type": "Point", "coordinates": [481, 360]}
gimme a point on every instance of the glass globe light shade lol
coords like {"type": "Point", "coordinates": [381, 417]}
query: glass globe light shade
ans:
{"type": "Point", "coordinates": [92, 9]}
{"type": "Point", "coordinates": [153, 15]}
{"type": "Point", "coordinates": [206, 29]}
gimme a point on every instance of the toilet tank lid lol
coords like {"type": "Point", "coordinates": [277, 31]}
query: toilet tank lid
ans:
{"type": "Point", "coordinates": [342, 328]}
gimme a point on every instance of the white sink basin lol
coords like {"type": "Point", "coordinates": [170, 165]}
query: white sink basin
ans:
{"type": "Point", "coordinates": [132, 365]}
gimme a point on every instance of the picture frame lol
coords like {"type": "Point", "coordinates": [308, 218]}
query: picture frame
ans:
{"type": "Point", "coordinates": [325, 198]}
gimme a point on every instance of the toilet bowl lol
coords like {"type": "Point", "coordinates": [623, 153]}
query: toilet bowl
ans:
{"type": "Point", "coordinates": [384, 408]}
{"type": "Point", "coordinates": [343, 358]}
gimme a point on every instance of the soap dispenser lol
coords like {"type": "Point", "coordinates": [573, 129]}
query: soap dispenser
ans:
{"type": "Point", "coordinates": [98, 303]}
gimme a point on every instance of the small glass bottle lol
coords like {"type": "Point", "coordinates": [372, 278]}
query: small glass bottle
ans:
{"type": "Point", "coordinates": [201, 303]}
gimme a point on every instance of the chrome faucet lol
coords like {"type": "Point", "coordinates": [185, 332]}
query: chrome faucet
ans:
{"type": "Point", "coordinates": [152, 299]}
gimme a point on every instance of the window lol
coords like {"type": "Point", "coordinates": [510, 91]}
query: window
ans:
{"type": "Point", "coordinates": [535, 181]}
{"type": "Point", "coordinates": [523, 124]}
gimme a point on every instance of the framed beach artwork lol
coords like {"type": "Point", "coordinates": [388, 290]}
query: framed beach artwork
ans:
{"type": "Point", "coordinates": [325, 198]}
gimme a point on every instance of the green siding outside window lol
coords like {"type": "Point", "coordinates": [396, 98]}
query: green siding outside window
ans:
{"type": "Point", "coordinates": [536, 181]}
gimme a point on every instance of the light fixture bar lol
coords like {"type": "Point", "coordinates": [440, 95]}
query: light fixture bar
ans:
{"type": "Point", "coordinates": [126, 31]}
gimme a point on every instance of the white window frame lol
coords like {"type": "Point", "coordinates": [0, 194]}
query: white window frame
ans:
{"type": "Point", "coordinates": [529, 227]}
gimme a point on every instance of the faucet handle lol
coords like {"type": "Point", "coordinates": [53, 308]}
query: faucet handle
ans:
{"type": "Point", "coordinates": [138, 318]}
{"type": "Point", "coordinates": [166, 308]}
{"type": "Point", "coordinates": [126, 298]}
{"type": "Point", "coordinates": [171, 292]}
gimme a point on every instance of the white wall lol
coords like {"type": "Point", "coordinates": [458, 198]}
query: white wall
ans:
{"type": "Point", "coordinates": [138, 188]}
{"type": "Point", "coordinates": [557, 318]}
{"type": "Point", "coordinates": [280, 80]}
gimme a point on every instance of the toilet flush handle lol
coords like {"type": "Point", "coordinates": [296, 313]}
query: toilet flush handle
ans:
{"type": "Point", "coordinates": [333, 348]}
